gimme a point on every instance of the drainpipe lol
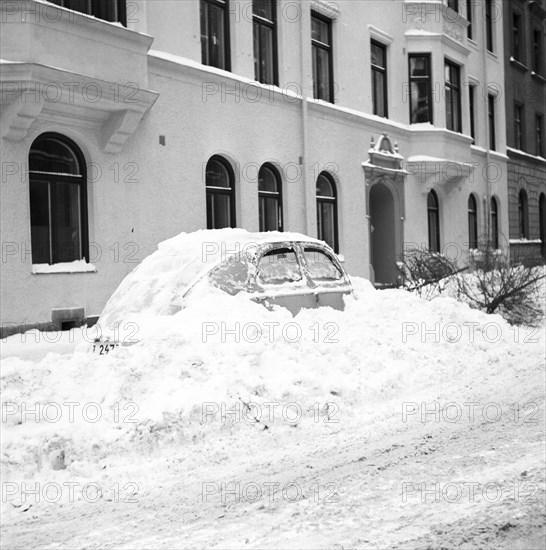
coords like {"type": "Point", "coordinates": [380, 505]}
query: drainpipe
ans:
{"type": "Point", "coordinates": [304, 118]}
{"type": "Point", "coordinates": [487, 129]}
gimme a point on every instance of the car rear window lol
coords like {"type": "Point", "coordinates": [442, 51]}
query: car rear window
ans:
{"type": "Point", "coordinates": [320, 265]}
{"type": "Point", "coordinates": [279, 266]}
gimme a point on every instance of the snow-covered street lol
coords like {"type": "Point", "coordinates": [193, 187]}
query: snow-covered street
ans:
{"type": "Point", "coordinates": [429, 439]}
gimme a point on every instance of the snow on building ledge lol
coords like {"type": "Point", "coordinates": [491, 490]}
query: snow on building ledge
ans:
{"type": "Point", "coordinates": [431, 171]}
{"type": "Point", "coordinates": [78, 266]}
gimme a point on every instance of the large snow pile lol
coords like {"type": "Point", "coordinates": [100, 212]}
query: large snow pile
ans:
{"type": "Point", "coordinates": [221, 352]}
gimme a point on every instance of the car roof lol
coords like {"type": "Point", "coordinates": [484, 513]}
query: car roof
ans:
{"type": "Point", "coordinates": [181, 261]}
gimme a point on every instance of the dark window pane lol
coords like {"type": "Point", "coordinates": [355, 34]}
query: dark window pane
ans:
{"type": "Point", "coordinates": [378, 55]}
{"type": "Point", "coordinates": [491, 116]}
{"type": "Point", "coordinates": [266, 54]}
{"type": "Point", "coordinates": [324, 187]}
{"type": "Point", "coordinates": [420, 102]}
{"type": "Point", "coordinates": [326, 224]}
{"type": "Point", "coordinates": [419, 66]}
{"type": "Point", "coordinates": [489, 24]}
{"type": "Point", "coordinates": [269, 214]}
{"type": "Point", "coordinates": [257, 52]}
{"type": "Point", "coordinates": [433, 214]}
{"type": "Point", "coordinates": [213, 34]}
{"type": "Point", "coordinates": [39, 221]}
{"type": "Point", "coordinates": [66, 222]}
{"type": "Point", "coordinates": [222, 211]}
{"type": "Point", "coordinates": [472, 93]}
{"type": "Point", "coordinates": [263, 8]}
{"type": "Point", "coordinates": [217, 174]}
{"type": "Point", "coordinates": [279, 267]}
{"type": "Point", "coordinates": [267, 181]}
{"type": "Point", "coordinates": [53, 156]}
{"type": "Point", "coordinates": [494, 223]}
{"type": "Point", "coordinates": [320, 30]}
{"type": "Point", "coordinates": [523, 214]}
{"type": "Point", "coordinates": [472, 223]}
{"type": "Point", "coordinates": [321, 74]}
{"type": "Point", "coordinates": [379, 106]}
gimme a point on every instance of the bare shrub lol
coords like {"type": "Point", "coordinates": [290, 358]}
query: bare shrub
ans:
{"type": "Point", "coordinates": [495, 285]}
{"type": "Point", "coordinates": [423, 272]}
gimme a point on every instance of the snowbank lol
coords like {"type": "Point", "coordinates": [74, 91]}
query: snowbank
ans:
{"type": "Point", "coordinates": [223, 351]}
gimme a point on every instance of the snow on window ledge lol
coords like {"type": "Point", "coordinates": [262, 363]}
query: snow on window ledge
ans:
{"type": "Point", "coordinates": [79, 266]}
{"type": "Point", "coordinates": [525, 241]}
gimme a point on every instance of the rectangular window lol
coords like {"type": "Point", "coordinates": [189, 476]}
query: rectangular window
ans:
{"type": "Point", "coordinates": [108, 10]}
{"type": "Point", "coordinates": [265, 41]}
{"type": "Point", "coordinates": [215, 33]}
{"type": "Point", "coordinates": [453, 96]}
{"type": "Point", "coordinates": [420, 88]}
{"type": "Point", "coordinates": [537, 52]}
{"type": "Point", "coordinates": [516, 36]}
{"type": "Point", "coordinates": [491, 116]}
{"type": "Point", "coordinates": [469, 17]}
{"type": "Point", "coordinates": [489, 25]}
{"type": "Point", "coordinates": [518, 126]}
{"type": "Point", "coordinates": [321, 44]}
{"type": "Point", "coordinates": [379, 79]}
{"type": "Point", "coordinates": [539, 135]}
{"type": "Point", "coordinates": [472, 106]}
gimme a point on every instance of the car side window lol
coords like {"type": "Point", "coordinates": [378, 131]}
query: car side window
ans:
{"type": "Point", "coordinates": [230, 276]}
{"type": "Point", "coordinates": [279, 266]}
{"type": "Point", "coordinates": [320, 265]}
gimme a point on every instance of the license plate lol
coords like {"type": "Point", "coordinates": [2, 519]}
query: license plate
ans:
{"type": "Point", "coordinates": [104, 349]}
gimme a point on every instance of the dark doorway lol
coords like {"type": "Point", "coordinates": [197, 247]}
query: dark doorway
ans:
{"type": "Point", "coordinates": [383, 231]}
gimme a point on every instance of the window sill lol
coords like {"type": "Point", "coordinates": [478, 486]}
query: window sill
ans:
{"type": "Point", "coordinates": [538, 77]}
{"type": "Point", "coordinates": [518, 65]}
{"type": "Point", "coordinates": [79, 266]}
{"type": "Point", "coordinates": [492, 55]}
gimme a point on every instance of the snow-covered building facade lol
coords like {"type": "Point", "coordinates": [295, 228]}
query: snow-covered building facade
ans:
{"type": "Point", "coordinates": [525, 100]}
{"type": "Point", "coordinates": [376, 125]}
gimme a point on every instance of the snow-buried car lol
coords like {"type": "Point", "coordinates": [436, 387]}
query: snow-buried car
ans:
{"type": "Point", "coordinates": [275, 269]}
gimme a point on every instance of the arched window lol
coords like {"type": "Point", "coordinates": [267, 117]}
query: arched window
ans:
{"type": "Point", "coordinates": [433, 210]}
{"type": "Point", "coordinates": [523, 215]}
{"type": "Point", "coordinates": [494, 223]}
{"type": "Point", "coordinates": [472, 222]}
{"type": "Point", "coordinates": [220, 194]}
{"type": "Point", "coordinates": [270, 199]}
{"type": "Point", "coordinates": [58, 201]}
{"type": "Point", "coordinates": [542, 223]}
{"type": "Point", "coordinates": [327, 210]}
